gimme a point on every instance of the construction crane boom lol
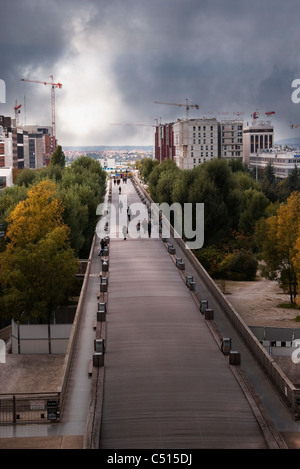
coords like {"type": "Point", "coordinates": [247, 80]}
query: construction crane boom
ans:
{"type": "Point", "coordinates": [186, 105]}
{"type": "Point", "coordinates": [53, 86]}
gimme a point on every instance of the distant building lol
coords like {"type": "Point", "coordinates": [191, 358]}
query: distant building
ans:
{"type": "Point", "coordinates": [231, 139]}
{"type": "Point", "coordinates": [6, 177]}
{"type": "Point", "coordinates": [257, 137]}
{"type": "Point", "coordinates": [164, 142]}
{"type": "Point", "coordinates": [188, 142]}
{"type": "Point", "coordinates": [196, 141]}
{"type": "Point", "coordinates": [27, 146]}
{"type": "Point", "coordinates": [283, 162]}
{"type": "Point", "coordinates": [39, 139]}
{"type": "Point", "coordinates": [191, 142]}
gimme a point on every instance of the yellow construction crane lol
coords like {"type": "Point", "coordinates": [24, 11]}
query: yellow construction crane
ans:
{"type": "Point", "coordinates": [187, 106]}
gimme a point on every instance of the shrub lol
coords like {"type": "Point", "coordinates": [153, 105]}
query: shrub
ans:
{"type": "Point", "coordinates": [240, 265]}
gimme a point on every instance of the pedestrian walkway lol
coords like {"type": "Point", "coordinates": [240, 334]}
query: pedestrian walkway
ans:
{"type": "Point", "coordinates": [167, 384]}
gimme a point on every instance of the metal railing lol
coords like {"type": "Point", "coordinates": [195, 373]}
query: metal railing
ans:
{"type": "Point", "coordinates": [29, 408]}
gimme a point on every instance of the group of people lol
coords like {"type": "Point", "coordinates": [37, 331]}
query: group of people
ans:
{"type": "Point", "coordinates": [146, 225]}
{"type": "Point", "coordinates": [117, 181]}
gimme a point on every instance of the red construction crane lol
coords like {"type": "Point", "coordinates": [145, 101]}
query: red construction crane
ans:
{"type": "Point", "coordinates": [269, 113]}
{"type": "Point", "coordinates": [53, 86]}
{"type": "Point", "coordinates": [255, 115]}
{"type": "Point", "coordinates": [187, 106]}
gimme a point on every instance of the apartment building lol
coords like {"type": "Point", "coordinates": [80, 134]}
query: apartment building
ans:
{"type": "Point", "coordinates": [39, 142]}
{"type": "Point", "coordinates": [188, 142]}
{"type": "Point", "coordinates": [26, 146]}
{"type": "Point", "coordinates": [195, 141]}
{"type": "Point", "coordinates": [164, 142]}
{"type": "Point", "coordinates": [231, 139]}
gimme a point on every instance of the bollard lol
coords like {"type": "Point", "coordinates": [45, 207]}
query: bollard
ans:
{"type": "Point", "coordinates": [99, 345]}
{"type": "Point", "coordinates": [226, 345]}
{"type": "Point", "coordinates": [101, 313]}
{"type": "Point", "coordinates": [189, 279]}
{"type": "Point", "coordinates": [171, 249]}
{"type": "Point", "coordinates": [209, 314]}
{"type": "Point", "coordinates": [103, 284]}
{"type": "Point", "coordinates": [104, 265]}
{"type": "Point", "coordinates": [98, 359]}
{"type": "Point", "coordinates": [203, 306]}
{"type": "Point", "coordinates": [234, 358]}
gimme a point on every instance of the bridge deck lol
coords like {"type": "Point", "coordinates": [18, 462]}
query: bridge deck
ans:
{"type": "Point", "coordinates": [167, 384]}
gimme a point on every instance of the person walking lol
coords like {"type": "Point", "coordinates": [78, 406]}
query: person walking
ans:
{"type": "Point", "coordinates": [138, 227]}
{"type": "Point", "coordinates": [125, 231]}
{"type": "Point", "coordinates": [144, 224]}
{"type": "Point", "coordinates": [102, 245]}
{"type": "Point", "coordinates": [149, 228]}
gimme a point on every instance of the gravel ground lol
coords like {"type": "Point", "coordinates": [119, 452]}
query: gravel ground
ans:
{"type": "Point", "coordinates": [257, 303]}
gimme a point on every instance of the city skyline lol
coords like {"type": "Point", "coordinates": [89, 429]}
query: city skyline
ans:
{"type": "Point", "coordinates": [116, 60]}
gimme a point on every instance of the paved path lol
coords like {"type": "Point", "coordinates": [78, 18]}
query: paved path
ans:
{"type": "Point", "coordinates": [167, 384]}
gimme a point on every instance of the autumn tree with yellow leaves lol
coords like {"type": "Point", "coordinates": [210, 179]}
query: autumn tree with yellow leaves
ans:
{"type": "Point", "coordinates": [38, 267]}
{"type": "Point", "coordinates": [279, 239]}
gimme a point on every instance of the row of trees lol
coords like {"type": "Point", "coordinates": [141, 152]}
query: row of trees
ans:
{"type": "Point", "coordinates": [49, 217]}
{"type": "Point", "coordinates": [247, 219]}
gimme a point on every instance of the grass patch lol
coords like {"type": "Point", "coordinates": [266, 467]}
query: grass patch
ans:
{"type": "Point", "coordinates": [288, 306]}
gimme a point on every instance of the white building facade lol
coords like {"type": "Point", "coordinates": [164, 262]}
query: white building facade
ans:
{"type": "Point", "coordinates": [196, 141]}
{"type": "Point", "coordinates": [283, 162]}
{"type": "Point", "coordinates": [257, 137]}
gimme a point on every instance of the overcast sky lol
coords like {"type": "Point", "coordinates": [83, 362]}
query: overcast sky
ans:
{"type": "Point", "coordinates": [114, 58]}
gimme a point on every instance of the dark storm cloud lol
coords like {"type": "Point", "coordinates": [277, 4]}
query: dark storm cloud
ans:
{"type": "Point", "coordinates": [221, 54]}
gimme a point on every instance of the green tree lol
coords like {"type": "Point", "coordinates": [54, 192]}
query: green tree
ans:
{"type": "Point", "coordinates": [58, 157]}
{"type": "Point", "coordinates": [146, 167]}
{"type": "Point", "coordinates": [153, 180]}
{"type": "Point", "coordinates": [25, 177]}
{"type": "Point", "coordinates": [37, 277]}
{"type": "Point", "coordinates": [255, 204]}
